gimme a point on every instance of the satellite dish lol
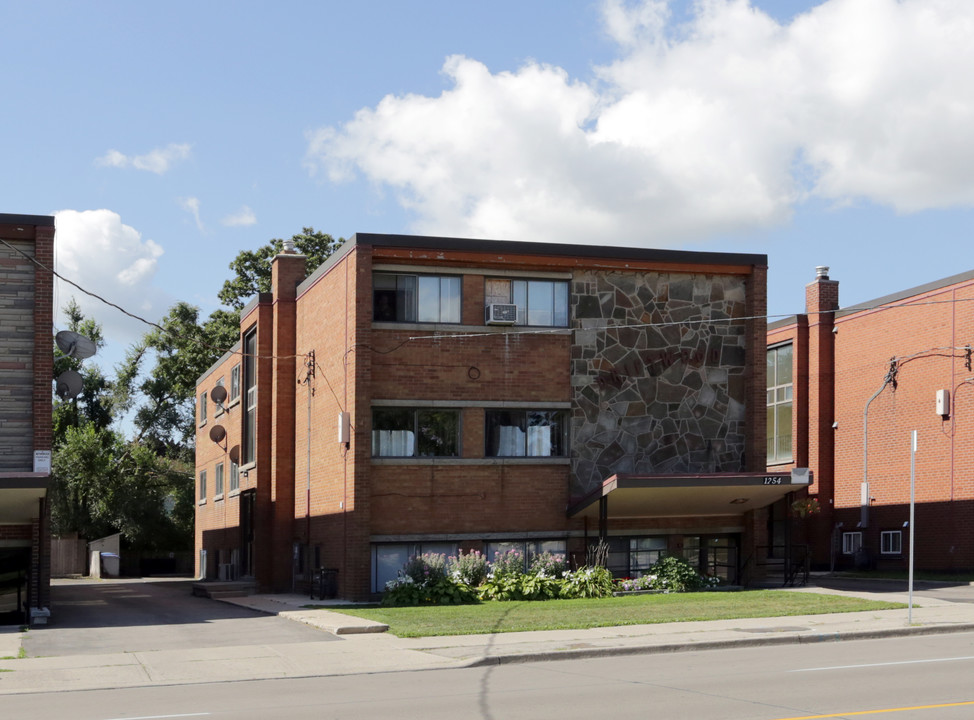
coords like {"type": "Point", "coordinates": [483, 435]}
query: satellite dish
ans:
{"type": "Point", "coordinates": [74, 345]}
{"type": "Point", "coordinates": [68, 385]}
{"type": "Point", "coordinates": [217, 433]}
{"type": "Point", "coordinates": [218, 394]}
{"type": "Point", "coordinates": [235, 454]}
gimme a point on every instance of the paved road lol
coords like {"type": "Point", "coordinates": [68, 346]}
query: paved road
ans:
{"type": "Point", "coordinates": [113, 616]}
{"type": "Point", "coordinates": [915, 678]}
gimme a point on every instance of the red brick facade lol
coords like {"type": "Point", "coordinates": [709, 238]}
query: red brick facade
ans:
{"type": "Point", "coordinates": [864, 380]}
{"type": "Point", "coordinates": [323, 359]}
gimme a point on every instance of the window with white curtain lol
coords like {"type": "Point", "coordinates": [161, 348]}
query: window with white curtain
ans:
{"type": "Point", "coordinates": [415, 432]}
{"type": "Point", "coordinates": [526, 433]}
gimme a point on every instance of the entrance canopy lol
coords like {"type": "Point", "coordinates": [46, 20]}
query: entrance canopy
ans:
{"type": "Point", "coordinates": [19, 496]}
{"type": "Point", "coordinates": [642, 496]}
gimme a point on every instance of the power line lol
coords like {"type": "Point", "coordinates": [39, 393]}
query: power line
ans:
{"type": "Point", "coordinates": [534, 331]}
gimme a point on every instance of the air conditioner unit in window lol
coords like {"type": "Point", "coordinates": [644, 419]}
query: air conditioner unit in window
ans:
{"type": "Point", "coordinates": [501, 314]}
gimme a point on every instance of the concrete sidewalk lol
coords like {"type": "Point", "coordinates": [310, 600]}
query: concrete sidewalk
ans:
{"type": "Point", "coordinates": [364, 647]}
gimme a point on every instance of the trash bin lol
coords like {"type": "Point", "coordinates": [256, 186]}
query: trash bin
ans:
{"type": "Point", "coordinates": [325, 585]}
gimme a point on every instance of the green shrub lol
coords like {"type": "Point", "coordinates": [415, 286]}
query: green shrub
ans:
{"type": "Point", "coordinates": [674, 574]}
{"type": "Point", "coordinates": [469, 569]}
{"type": "Point", "coordinates": [442, 591]}
{"type": "Point", "coordinates": [548, 565]}
{"type": "Point", "coordinates": [425, 569]}
{"type": "Point", "coordinates": [588, 582]}
{"type": "Point", "coordinates": [507, 563]}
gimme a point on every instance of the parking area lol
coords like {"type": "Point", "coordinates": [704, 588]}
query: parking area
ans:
{"type": "Point", "coordinates": [90, 617]}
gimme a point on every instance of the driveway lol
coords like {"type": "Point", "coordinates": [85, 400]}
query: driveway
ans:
{"type": "Point", "coordinates": [95, 617]}
{"type": "Point", "coordinates": [960, 591]}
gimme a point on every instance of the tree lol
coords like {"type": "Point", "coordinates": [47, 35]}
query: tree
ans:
{"type": "Point", "coordinates": [94, 402]}
{"type": "Point", "coordinates": [253, 267]}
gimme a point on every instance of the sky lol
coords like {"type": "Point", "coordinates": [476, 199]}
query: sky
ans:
{"type": "Point", "coordinates": [167, 137]}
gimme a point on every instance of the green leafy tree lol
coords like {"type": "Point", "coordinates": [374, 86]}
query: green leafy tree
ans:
{"type": "Point", "coordinates": [252, 268]}
{"type": "Point", "coordinates": [94, 403]}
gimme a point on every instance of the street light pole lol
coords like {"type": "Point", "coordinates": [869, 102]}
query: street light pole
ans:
{"type": "Point", "coordinates": [913, 468]}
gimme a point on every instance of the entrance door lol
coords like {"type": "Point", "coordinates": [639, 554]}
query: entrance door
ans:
{"type": "Point", "coordinates": [714, 555]}
{"type": "Point", "coordinates": [248, 506]}
{"type": "Point", "coordinates": [14, 584]}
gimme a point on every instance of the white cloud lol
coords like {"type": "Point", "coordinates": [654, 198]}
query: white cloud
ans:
{"type": "Point", "coordinates": [157, 161]}
{"type": "Point", "coordinates": [192, 206]}
{"type": "Point", "coordinates": [243, 217]}
{"type": "Point", "coordinates": [97, 251]}
{"type": "Point", "coordinates": [723, 123]}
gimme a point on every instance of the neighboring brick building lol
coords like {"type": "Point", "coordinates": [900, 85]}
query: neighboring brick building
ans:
{"type": "Point", "coordinates": [847, 388]}
{"type": "Point", "coordinates": [420, 394]}
{"type": "Point", "coordinates": [26, 371]}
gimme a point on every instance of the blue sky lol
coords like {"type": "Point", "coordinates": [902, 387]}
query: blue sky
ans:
{"type": "Point", "coordinates": [167, 137]}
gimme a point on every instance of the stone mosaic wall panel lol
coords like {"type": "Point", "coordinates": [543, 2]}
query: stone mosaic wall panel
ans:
{"type": "Point", "coordinates": [658, 369]}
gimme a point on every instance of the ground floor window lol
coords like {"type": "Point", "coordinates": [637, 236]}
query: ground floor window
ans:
{"type": "Point", "coordinates": [529, 549]}
{"type": "Point", "coordinates": [851, 542]}
{"type": "Point", "coordinates": [632, 557]}
{"type": "Point", "coordinates": [891, 542]}
{"type": "Point", "coordinates": [389, 558]}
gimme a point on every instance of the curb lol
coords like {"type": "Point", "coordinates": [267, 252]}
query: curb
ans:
{"type": "Point", "coordinates": [585, 653]}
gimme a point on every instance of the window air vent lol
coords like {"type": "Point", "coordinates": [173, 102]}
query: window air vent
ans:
{"type": "Point", "coordinates": [501, 314]}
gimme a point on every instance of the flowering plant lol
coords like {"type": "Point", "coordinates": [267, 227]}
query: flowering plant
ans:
{"type": "Point", "coordinates": [805, 507]}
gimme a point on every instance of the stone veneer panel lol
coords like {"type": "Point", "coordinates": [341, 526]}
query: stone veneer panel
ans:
{"type": "Point", "coordinates": [658, 368]}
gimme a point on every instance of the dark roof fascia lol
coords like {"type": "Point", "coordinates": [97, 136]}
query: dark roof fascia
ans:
{"type": "Point", "coordinates": [344, 249]}
{"type": "Point", "coordinates": [906, 294]}
{"type": "Point", "coordinates": [516, 247]}
{"type": "Point", "coordinates": [223, 358]}
{"type": "Point", "coordinates": [595, 252]}
{"type": "Point", "coordinates": [40, 220]}
{"type": "Point", "coordinates": [783, 323]}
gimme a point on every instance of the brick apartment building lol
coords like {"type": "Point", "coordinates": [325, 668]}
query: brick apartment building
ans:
{"type": "Point", "coordinates": [26, 369]}
{"type": "Point", "coordinates": [419, 394]}
{"type": "Point", "coordinates": [846, 389]}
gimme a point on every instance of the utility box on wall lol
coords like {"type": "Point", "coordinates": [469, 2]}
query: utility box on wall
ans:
{"type": "Point", "coordinates": [943, 403]}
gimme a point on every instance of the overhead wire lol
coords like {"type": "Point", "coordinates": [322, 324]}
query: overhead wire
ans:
{"type": "Point", "coordinates": [905, 303]}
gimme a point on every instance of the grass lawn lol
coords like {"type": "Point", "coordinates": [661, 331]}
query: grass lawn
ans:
{"type": "Point", "coordinates": [494, 617]}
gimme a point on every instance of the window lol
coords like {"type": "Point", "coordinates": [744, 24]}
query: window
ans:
{"type": "Point", "coordinates": [411, 432]}
{"type": "Point", "coordinates": [779, 404]}
{"type": "Point", "coordinates": [234, 476]}
{"type": "Point", "coordinates": [851, 542]}
{"type": "Point", "coordinates": [250, 387]}
{"type": "Point", "coordinates": [218, 481]}
{"type": "Point", "coordinates": [634, 556]}
{"type": "Point", "coordinates": [388, 560]}
{"type": "Point", "coordinates": [891, 542]}
{"type": "Point", "coordinates": [203, 396]}
{"type": "Point", "coordinates": [526, 433]}
{"type": "Point", "coordinates": [218, 406]}
{"type": "Point", "coordinates": [529, 549]}
{"type": "Point", "coordinates": [235, 383]}
{"type": "Point", "coordinates": [415, 298]}
{"type": "Point", "coordinates": [202, 488]}
{"type": "Point", "coordinates": [539, 302]}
